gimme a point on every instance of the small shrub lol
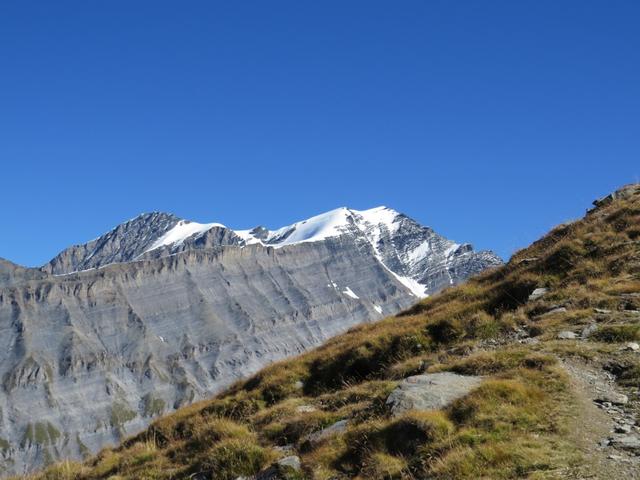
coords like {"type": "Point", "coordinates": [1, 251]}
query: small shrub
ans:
{"type": "Point", "coordinates": [446, 330]}
{"type": "Point", "coordinates": [233, 458]}
{"type": "Point", "coordinates": [500, 406]}
{"type": "Point", "coordinates": [370, 392]}
{"type": "Point", "coordinates": [66, 470]}
{"type": "Point", "coordinates": [362, 361]}
{"type": "Point", "coordinates": [407, 368]}
{"type": "Point", "coordinates": [383, 466]}
{"type": "Point", "coordinates": [210, 430]}
{"type": "Point", "coordinates": [402, 436]}
{"type": "Point", "coordinates": [483, 326]}
{"type": "Point", "coordinates": [617, 333]}
{"type": "Point", "coordinates": [510, 294]}
{"type": "Point", "coordinates": [105, 463]}
{"type": "Point", "coordinates": [494, 460]}
{"type": "Point", "coordinates": [363, 439]}
{"type": "Point", "coordinates": [291, 430]}
{"type": "Point", "coordinates": [564, 257]}
{"type": "Point", "coordinates": [416, 429]}
{"type": "Point", "coordinates": [627, 373]}
{"type": "Point", "coordinates": [487, 363]}
{"type": "Point", "coordinates": [236, 407]}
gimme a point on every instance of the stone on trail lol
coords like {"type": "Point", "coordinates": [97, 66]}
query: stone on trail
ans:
{"type": "Point", "coordinates": [626, 442]}
{"type": "Point", "coordinates": [613, 398]}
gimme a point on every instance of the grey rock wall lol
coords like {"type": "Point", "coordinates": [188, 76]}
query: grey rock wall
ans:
{"type": "Point", "coordinates": [89, 357]}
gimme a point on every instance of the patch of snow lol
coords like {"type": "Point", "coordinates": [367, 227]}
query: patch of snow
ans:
{"type": "Point", "coordinates": [380, 216]}
{"type": "Point", "coordinates": [183, 230]}
{"type": "Point", "coordinates": [372, 223]}
{"type": "Point", "coordinates": [348, 291]}
{"type": "Point", "coordinates": [330, 224]}
{"type": "Point", "coordinates": [451, 249]}
{"type": "Point", "coordinates": [418, 289]}
{"type": "Point", "coordinates": [247, 237]}
{"type": "Point", "coordinates": [377, 308]}
{"type": "Point", "coordinates": [414, 286]}
{"type": "Point", "coordinates": [419, 252]}
{"type": "Point", "coordinates": [320, 227]}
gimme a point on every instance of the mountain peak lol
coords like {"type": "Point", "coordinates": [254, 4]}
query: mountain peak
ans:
{"type": "Point", "coordinates": [410, 251]}
{"type": "Point", "coordinates": [192, 306]}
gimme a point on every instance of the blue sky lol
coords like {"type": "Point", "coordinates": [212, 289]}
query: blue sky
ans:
{"type": "Point", "coordinates": [489, 121]}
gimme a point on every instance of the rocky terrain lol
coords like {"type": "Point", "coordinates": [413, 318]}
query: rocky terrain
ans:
{"type": "Point", "coordinates": [530, 370]}
{"type": "Point", "coordinates": [161, 312]}
{"type": "Point", "coordinates": [420, 258]}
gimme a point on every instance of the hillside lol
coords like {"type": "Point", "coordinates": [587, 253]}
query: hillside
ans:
{"type": "Point", "coordinates": [161, 312]}
{"type": "Point", "coordinates": [541, 351]}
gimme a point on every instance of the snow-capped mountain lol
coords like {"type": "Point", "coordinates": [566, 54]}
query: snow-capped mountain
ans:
{"type": "Point", "coordinates": [160, 312]}
{"type": "Point", "coordinates": [420, 259]}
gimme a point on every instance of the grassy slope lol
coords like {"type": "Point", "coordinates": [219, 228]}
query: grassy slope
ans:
{"type": "Point", "coordinates": [513, 426]}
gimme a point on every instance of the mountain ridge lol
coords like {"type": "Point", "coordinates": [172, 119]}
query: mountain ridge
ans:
{"type": "Point", "coordinates": [156, 234]}
{"type": "Point", "coordinates": [547, 344]}
{"type": "Point", "coordinates": [160, 312]}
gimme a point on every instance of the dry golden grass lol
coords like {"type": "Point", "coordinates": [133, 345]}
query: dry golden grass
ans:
{"type": "Point", "coordinates": [512, 426]}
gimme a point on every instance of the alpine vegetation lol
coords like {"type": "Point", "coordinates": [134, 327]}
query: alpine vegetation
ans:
{"type": "Point", "coordinates": [529, 370]}
{"type": "Point", "coordinates": [161, 312]}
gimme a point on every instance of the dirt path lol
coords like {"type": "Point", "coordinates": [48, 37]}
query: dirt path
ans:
{"type": "Point", "coordinates": [595, 423]}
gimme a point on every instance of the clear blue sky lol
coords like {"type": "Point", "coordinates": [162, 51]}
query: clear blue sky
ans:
{"type": "Point", "coordinates": [489, 121]}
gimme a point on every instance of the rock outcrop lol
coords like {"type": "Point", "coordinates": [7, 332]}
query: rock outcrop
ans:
{"type": "Point", "coordinates": [431, 391]}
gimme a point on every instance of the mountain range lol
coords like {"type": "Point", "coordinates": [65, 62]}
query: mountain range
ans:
{"type": "Point", "coordinates": [528, 370]}
{"type": "Point", "coordinates": [160, 312]}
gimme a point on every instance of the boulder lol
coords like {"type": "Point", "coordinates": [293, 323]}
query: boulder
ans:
{"type": "Point", "coordinates": [624, 428]}
{"type": "Point", "coordinates": [589, 330]}
{"type": "Point", "coordinates": [292, 461]}
{"type": "Point", "coordinates": [285, 449]}
{"type": "Point", "coordinates": [567, 335]}
{"type": "Point", "coordinates": [430, 391]}
{"type": "Point", "coordinates": [631, 346]}
{"type": "Point", "coordinates": [626, 442]}
{"type": "Point", "coordinates": [537, 293]}
{"type": "Point", "coordinates": [552, 311]}
{"type": "Point", "coordinates": [330, 431]}
{"type": "Point", "coordinates": [305, 408]}
{"type": "Point", "coordinates": [613, 398]}
{"type": "Point", "coordinates": [624, 192]}
{"type": "Point", "coordinates": [602, 311]}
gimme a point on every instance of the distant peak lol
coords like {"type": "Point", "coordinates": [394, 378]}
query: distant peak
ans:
{"type": "Point", "coordinates": [181, 231]}
{"type": "Point", "coordinates": [148, 215]}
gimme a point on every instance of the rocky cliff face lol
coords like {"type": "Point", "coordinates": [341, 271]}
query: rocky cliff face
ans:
{"type": "Point", "coordinates": [161, 312]}
{"type": "Point", "coordinates": [11, 273]}
{"type": "Point", "coordinates": [122, 244]}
